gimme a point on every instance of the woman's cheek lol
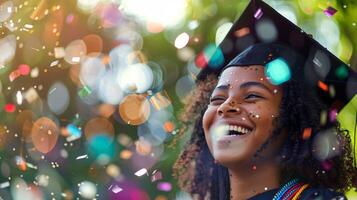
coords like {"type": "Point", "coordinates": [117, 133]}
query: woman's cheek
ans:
{"type": "Point", "coordinates": [207, 119]}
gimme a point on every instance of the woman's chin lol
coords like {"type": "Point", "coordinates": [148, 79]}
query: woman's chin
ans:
{"type": "Point", "coordinates": [228, 159]}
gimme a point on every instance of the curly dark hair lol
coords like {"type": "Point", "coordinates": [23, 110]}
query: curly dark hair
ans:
{"type": "Point", "coordinates": [199, 175]}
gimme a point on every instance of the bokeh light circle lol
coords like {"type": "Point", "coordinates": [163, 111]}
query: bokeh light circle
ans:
{"type": "Point", "coordinates": [98, 126]}
{"type": "Point", "coordinates": [58, 98]}
{"type": "Point", "coordinates": [277, 71]}
{"type": "Point", "coordinates": [44, 134]}
{"type": "Point", "coordinates": [92, 69]}
{"type": "Point", "coordinates": [75, 51]}
{"type": "Point", "coordinates": [136, 78]}
{"type": "Point", "coordinates": [87, 189]}
{"type": "Point", "coordinates": [134, 109]}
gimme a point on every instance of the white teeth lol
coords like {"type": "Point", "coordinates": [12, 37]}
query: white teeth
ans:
{"type": "Point", "coordinates": [239, 129]}
{"type": "Point", "coordinates": [236, 128]}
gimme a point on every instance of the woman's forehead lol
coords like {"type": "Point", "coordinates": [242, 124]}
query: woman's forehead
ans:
{"type": "Point", "coordinates": [236, 76]}
{"type": "Point", "coordinates": [240, 73]}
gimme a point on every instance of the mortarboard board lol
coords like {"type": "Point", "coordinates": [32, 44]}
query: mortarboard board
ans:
{"type": "Point", "coordinates": [262, 34]}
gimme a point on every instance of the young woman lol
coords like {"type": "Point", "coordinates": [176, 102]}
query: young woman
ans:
{"type": "Point", "coordinates": [254, 137]}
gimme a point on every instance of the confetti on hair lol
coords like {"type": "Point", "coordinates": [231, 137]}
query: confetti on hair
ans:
{"type": "Point", "coordinates": [242, 32]}
{"type": "Point", "coordinates": [306, 134]}
{"type": "Point", "coordinates": [323, 86]}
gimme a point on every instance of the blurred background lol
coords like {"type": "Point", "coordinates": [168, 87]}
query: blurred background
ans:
{"type": "Point", "coordinates": [90, 90]}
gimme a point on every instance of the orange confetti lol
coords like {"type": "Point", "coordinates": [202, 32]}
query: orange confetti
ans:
{"type": "Point", "coordinates": [323, 86]}
{"type": "Point", "coordinates": [242, 32]}
{"type": "Point", "coordinates": [21, 164]}
{"type": "Point", "coordinates": [306, 134]}
{"type": "Point", "coordinates": [169, 126]}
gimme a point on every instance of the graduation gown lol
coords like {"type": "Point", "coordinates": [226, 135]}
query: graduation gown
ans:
{"type": "Point", "coordinates": [308, 194]}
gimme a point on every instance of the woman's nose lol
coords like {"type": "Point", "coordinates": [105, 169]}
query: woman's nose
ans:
{"type": "Point", "coordinates": [230, 107]}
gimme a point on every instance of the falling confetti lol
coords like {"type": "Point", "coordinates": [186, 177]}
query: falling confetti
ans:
{"type": "Point", "coordinates": [141, 172]}
{"type": "Point", "coordinates": [82, 157]}
{"type": "Point", "coordinates": [330, 11]}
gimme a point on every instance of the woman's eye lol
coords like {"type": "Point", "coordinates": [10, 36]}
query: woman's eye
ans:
{"type": "Point", "coordinates": [253, 96]}
{"type": "Point", "coordinates": [216, 99]}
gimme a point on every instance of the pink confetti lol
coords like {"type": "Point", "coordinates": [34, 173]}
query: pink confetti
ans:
{"type": "Point", "coordinates": [330, 11]}
{"type": "Point", "coordinates": [156, 175]}
{"type": "Point", "coordinates": [258, 14]}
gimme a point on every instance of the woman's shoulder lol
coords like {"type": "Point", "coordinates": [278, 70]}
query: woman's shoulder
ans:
{"type": "Point", "coordinates": [321, 193]}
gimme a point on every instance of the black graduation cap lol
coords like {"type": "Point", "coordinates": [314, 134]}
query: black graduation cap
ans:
{"type": "Point", "coordinates": [256, 38]}
{"type": "Point", "coordinates": [260, 23]}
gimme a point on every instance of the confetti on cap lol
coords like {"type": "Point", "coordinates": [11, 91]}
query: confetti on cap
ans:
{"type": "Point", "coordinates": [330, 11]}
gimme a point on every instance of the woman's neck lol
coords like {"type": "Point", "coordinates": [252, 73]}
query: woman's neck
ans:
{"type": "Point", "coordinates": [247, 182]}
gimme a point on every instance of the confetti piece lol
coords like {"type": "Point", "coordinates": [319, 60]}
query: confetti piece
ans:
{"type": "Point", "coordinates": [29, 26]}
{"type": "Point", "coordinates": [242, 32]}
{"type": "Point", "coordinates": [10, 108]}
{"type": "Point", "coordinates": [306, 134]}
{"type": "Point", "coordinates": [169, 126]}
{"type": "Point", "coordinates": [21, 163]}
{"type": "Point", "coordinates": [50, 92]}
{"type": "Point", "coordinates": [35, 49]}
{"type": "Point", "coordinates": [116, 189]}
{"type": "Point", "coordinates": [141, 172]}
{"type": "Point", "coordinates": [14, 75]}
{"type": "Point", "coordinates": [330, 11]}
{"type": "Point", "coordinates": [156, 175]}
{"type": "Point", "coordinates": [258, 14]}
{"type": "Point", "coordinates": [323, 86]}
{"type": "Point", "coordinates": [54, 63]}
{"type": "Point", "coordinates": [19, 97]}
{"type": "Point", "coordinates": [31, 95]}
{"type": "Point", "coordinates": [84, 92]}
{"type": "Point", "coordinates": [31, 165]}
{"type": "Point", "coordinates": [82, 157]}
{"type": "Point", "coordinates": [160, 101]}
{"type": "Point", "coordinates": [5, 184]}
{"type": "Point", "coordinates": [74, 132]}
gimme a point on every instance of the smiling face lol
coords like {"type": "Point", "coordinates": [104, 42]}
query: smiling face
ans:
{"type": "Point", "coordinates": [240, 116]}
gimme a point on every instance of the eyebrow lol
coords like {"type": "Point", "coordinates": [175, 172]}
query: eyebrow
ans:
{"type": "Point", "coordinates": [245, 85]}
